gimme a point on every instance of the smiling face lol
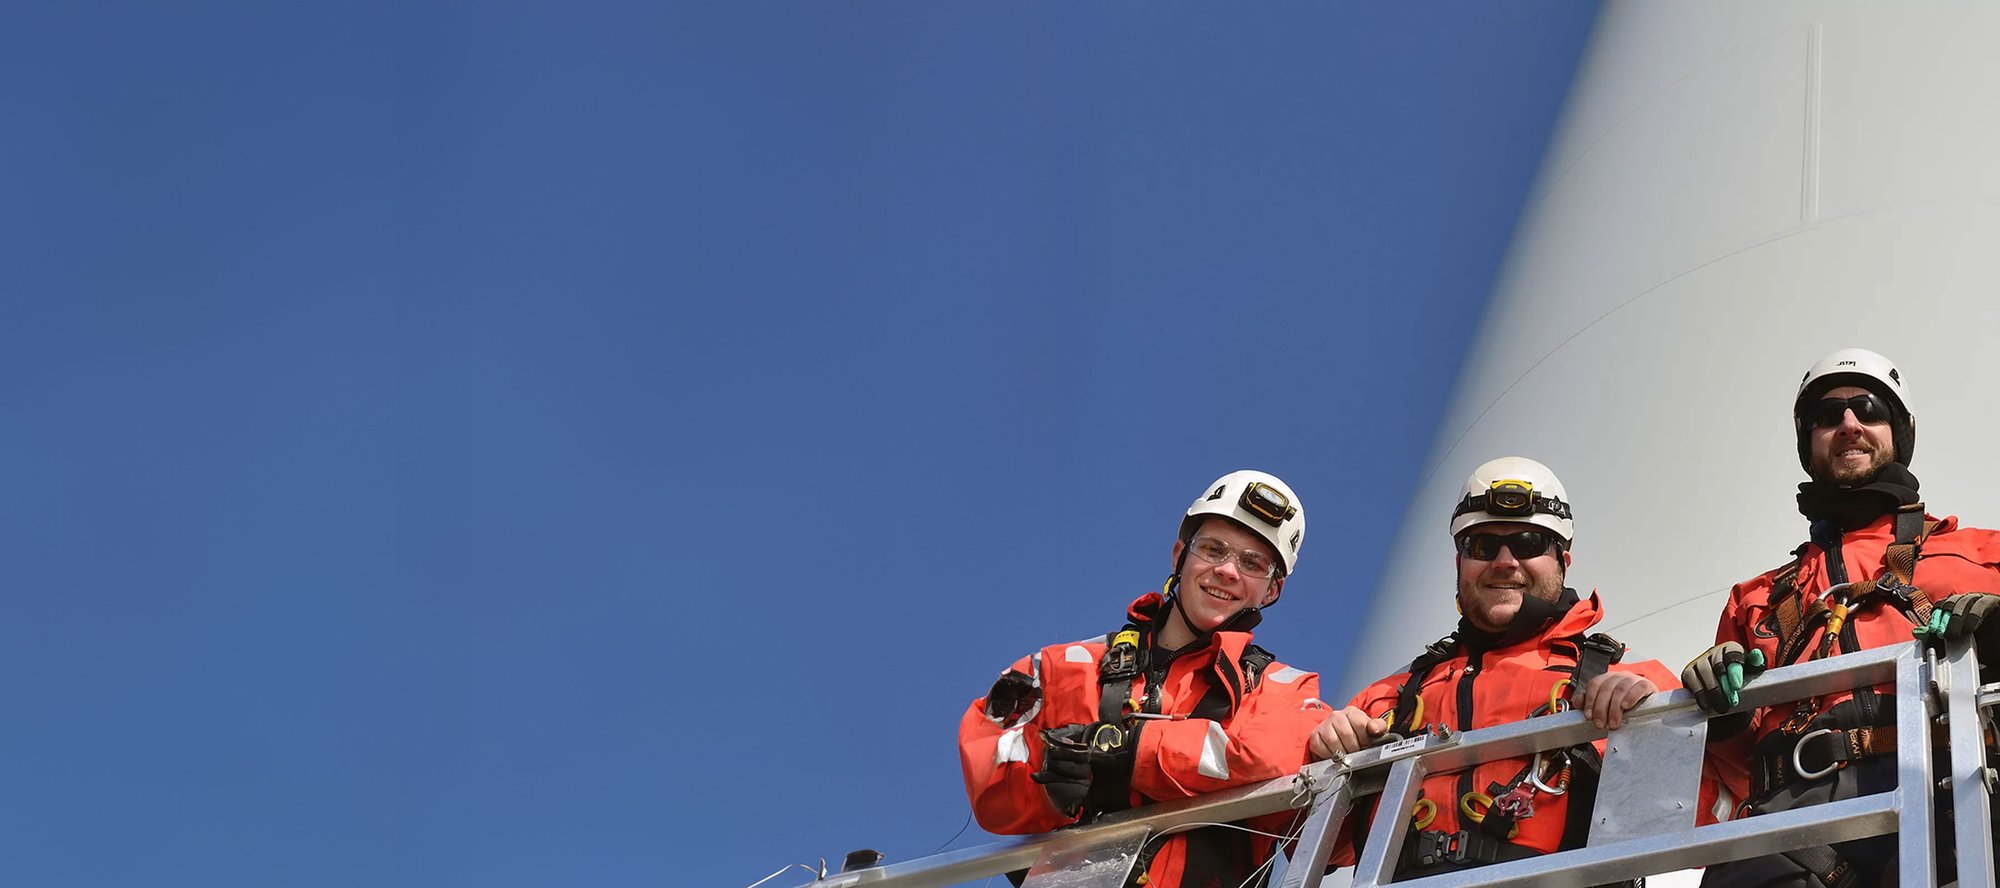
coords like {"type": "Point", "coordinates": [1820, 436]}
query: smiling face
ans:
{"type": "Point", "coordinates": [1210, 594]}
{"type": "Point", "coordinates": [1850, 452]}
{"type": "Point", "coordinates": [1490, 592]}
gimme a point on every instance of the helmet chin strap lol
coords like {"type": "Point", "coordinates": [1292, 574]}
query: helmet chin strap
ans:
{"type": "Point", "coordinates": [1242, 621]}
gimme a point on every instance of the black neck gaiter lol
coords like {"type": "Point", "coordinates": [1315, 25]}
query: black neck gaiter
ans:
{"type": "Point", "coordinates": [1534, 616]}
{"type": "Point", "coordinates": [1853, 507]}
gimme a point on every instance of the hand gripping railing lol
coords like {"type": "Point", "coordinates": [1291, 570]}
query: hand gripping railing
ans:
{"type": "Point", "coordinates": [1644, 811]}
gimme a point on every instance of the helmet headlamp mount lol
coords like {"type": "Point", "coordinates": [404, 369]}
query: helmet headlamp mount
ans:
{"type": "Point", "coordinates": [1512, 498]}
{"type": "Point", "coordinates": [1515, 499]}
{"type": "Point", "coordinates": [1268, 504]}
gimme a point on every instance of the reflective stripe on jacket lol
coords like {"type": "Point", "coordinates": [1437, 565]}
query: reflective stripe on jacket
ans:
{"type": "Point", "coordinates": [1262, 737]}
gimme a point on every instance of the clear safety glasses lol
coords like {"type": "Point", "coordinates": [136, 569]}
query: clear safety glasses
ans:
{"type": "Point", "coordinates": [1251, 563]}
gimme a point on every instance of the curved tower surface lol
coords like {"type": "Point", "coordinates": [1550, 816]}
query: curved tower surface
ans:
{"type": "Point", "coordinates": [1733, 191]}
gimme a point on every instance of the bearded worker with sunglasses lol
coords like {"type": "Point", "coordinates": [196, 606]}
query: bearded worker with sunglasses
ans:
{"type": "Point", "coordinates": [1876, 569]}
{"type": "Point", "coordinates": [1175, 704]}
{"type": "Point", "coordinates": [1523, 648]}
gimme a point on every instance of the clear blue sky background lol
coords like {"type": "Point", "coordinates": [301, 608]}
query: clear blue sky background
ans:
{"type": "Point", "coordinates": [457, 444]}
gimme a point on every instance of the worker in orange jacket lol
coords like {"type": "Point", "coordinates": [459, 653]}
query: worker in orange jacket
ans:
{"type": "Point", "coordinates": [1523, 648]}
{"type": "Point", "coordinates": [1177, 703]}
{"type": "Point", "coordinates": [1877, 568]}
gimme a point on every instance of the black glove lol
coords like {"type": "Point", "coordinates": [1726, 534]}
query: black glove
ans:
{"type": "Point", "coordinates": [1970, 615]}
{"type": "Point", "coordinates": [1719, 673]}
{"type": "Point", "coordinates": [1076, 757]}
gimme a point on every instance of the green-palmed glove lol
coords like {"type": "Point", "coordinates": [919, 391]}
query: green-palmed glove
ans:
{"type": "Point", "coordinates": [1962, 616]}
{"type": "Point", "coordinates": [1716, 678]}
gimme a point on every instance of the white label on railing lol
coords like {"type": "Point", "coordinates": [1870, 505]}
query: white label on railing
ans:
{"type": "Point", "coordinates": [1402, 746]}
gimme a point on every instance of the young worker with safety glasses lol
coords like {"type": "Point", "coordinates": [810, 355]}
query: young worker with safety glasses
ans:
{"type": "Point", "coordinates": [1877, 569]}
{"type": "Point", "coordinates": [1523, 648]}
{"type": "Point", "coordinates": [1175, 704]}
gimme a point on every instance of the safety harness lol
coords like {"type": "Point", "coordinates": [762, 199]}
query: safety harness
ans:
{"type": "Point", "coordinates": [1497, 812]}
{"type": "Point", "coordinates": [1129, 654]}
{"type": "Point", "coordinates": [1127, 657]}
{"type": "Point", "coordinates": [1813, 744]}
{"type": "Point", "coordinates": [1795, 621]}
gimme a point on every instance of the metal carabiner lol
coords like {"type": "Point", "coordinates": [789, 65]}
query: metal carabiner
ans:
{"type": "Point", "coordinates": [1558, 703]}
{"type": "Point", "coordinates": [1535, 776]}
{"type": "Point", "coordinates": [1799, 767]}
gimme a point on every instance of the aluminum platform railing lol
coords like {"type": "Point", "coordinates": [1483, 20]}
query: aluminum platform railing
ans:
{"type": "Point", "coordinates": [1645, 807]}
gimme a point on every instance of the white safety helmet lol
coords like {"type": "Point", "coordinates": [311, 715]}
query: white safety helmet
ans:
{"type": "Point", "coordinates": [1515, 489]}
{"type": "Point", "coordinates": [1262, 504]}
{"type": "Point", "coordinates": [1865, 369]}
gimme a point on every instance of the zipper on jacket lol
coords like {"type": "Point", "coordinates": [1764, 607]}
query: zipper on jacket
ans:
{"type": "Point", "coordinates": [1473, 659]}
{"type": "Point", "coordinates": [1156, 675]}
{"type": "Point", "coordinates": [1826, 535]}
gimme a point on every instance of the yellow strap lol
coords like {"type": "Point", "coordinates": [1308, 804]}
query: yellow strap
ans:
{"type": "Point", "coordinates": [1423, 813]}
{"type": "Point", "coordinates": [1465, 807]}
{"type": "Point", "coordinates": [1557, 702]}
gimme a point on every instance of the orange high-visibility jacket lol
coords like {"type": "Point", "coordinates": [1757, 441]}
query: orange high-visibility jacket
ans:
{"type": "Point", "coordinates": [1466, 692]}
{"type": "Point", "coordinates": [1953, 560]}
{"type": "Point", "coordinates": [1263, 736]}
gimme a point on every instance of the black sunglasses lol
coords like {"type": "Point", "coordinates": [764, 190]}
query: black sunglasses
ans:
{"type": "Point", "coordinates": [1525, 545]}
{"type": "Point", "coordinates": [1830, 412]}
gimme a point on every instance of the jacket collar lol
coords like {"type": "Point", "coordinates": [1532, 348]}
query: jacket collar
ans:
{"type": "Point", "coordinates": [1149, 611]}
{"type": "Point", "coordinates": [1577, 620]}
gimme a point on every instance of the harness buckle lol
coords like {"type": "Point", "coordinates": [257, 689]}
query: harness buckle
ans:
{"type": "Point", "coordinates": [1902, 592]}
{"type": "Point", "coordinates": [1434, 847]}
{"type": "Point", "coordinates": [1121, 660]}
{"type": "Point", "coordinates": [1611, 647]}
{"type": "Point", "coordinates": [1802, 715]}
{"type": "Point", "coordinates": [1798, 765]}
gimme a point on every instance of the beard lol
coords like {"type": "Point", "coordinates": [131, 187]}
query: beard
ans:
{"type": "Point", "coordinates": [1825, 471]}
{"type": "Point", "coordinates": [1484, 611]}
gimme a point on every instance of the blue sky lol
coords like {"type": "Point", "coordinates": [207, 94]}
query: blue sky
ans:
{"type": "Point", "coordinates": [558, 444]}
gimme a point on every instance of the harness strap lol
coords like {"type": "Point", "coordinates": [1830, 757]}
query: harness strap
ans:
{"type": "Point", "coordinates": [1791, 617]}
{"type": "Point", "coordinates": [1899, 561]}
{"type": "Point", "coordinates": [1912, 528]}
{"type": "Point", "coordinates": [1124, 658]}
{"type": "Point", "coordinates": [1214, 704]}
{"type": "Point", "coordinates": [1594, 655]}
{"type": "Point", "coordinates": [1255, 661]}
{"type": "Point", "coordinates": [1783, 759]}
{"type": "Point", "coordinates": [1213, 855]}
{"type": "Point", "coordinates": [1405, 716]}
{"type": "Point", "coordinates": [1827, 865]}
{"type": "Point", "coordinates": [1457, 850]}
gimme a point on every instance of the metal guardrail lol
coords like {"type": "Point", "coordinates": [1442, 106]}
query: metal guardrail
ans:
{"type": "Point", "coordinates": [1645, 804]}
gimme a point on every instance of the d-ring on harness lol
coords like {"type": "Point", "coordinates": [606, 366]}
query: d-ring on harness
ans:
{"type": "Point", "coordinates": [1799, 768]}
